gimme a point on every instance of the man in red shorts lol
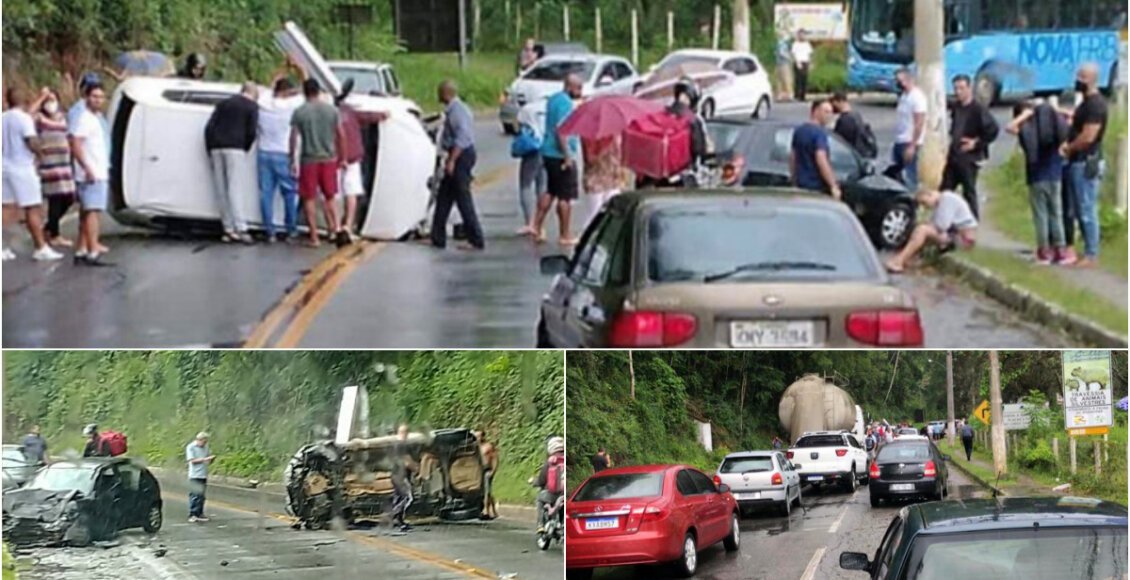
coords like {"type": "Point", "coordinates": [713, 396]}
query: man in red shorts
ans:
{"type": "Point", "coordinates": [317, 124]}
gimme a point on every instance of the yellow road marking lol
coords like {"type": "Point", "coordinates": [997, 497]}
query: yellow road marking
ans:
{"type": "Point", "coordinates": [387, 545]}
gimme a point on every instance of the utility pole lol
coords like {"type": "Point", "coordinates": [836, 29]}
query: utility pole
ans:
{"type": "Point", "coordinates": [996, 409]}
{"type": "Point", "coordinates": [929, 37]}
{"type": "Point", "coordinates": [462, 34]}
{"type": "Point", "coordinates": [632, 374]}
{"type": "Point", "coordinates": [741, 25]}
{"type": "Point", "coordinates": [951, 427]}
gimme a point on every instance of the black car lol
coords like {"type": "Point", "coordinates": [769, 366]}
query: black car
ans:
{"type": "Point", "coordinates": [756, 153]}
{"type": "Point", "coordinates": [907, 468]}
{"type": "Point", "coordinates": [1050, 538]}
{"type": "Point", "coordinates": [76, 502]}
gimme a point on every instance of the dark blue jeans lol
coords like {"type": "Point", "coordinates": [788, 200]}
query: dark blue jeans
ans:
{"type": "Point", "coordinates": [909, 171]}
{"type": "Point", "coordinates": [274, 173]}
{"type": "Point", "coordinates": [196, 497]}
{"type": "Point", "coordinates": [455, 189]}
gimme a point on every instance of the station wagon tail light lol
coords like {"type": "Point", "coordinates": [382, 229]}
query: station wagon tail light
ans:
{"type": "Point", "coordinates": [874, 471]}
{"type": "Point", "coordinates": [648, 329]}
{"type": "Point", "coordinates": [777, 479]}
{"type": "Point", "coordinates": [654, 514]}
{"type": "Point", "coordinates": [931, 469]}
{"type": "Point", "coordinates": [732, 170]}
{"type": "Point", "coordinates": [885, 327]}
{"type": "Point", "coordinates": [789, 454]}
{"type": "Point", "coordinates": [841, 452]}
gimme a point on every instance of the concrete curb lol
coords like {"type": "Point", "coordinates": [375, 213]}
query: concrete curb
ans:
{"type": "Point", "coordinates": [1029, 305]}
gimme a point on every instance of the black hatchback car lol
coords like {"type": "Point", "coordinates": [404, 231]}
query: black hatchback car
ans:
{"type": "Point", "coordinates": [76, 502]}
{"type": "Point", "coordinates": [1050, 538]}
{"type": "Point", "coordinates": [756, 153]}
{"type": "Point", "coordinates": [908, 468]}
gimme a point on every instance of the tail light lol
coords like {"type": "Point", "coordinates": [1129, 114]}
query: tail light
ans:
{"type": "Point", "coordinates": [717, 479]}
{"type": "Point", "coordinates": [841, 452]}
{"type": "Point", "coordinates": [640, 516]}
{"type": "Point", "coordinates": [874, 471]}
{"type": "Point", "coordinates": [654, 514]}
{"type": "Point", "coordinates": [789, 454]}
{"type": "Point", "coordinates": [648, 329]}
{"type": "Point", "coordinates": [777, 479]}
{"type": "Point", "coordinates": [931, 469]}
{"type": "Point", "coordinates": [885, 327]}
{"type": "Point", "coordinates": [732, 170]}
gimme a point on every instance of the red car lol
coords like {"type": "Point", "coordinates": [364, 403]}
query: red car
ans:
{"type": "Point", "coordinates": [647, 514]}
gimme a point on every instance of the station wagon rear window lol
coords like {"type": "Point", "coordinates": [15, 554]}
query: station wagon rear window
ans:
{"type": "Point", "coordinates": [821, 441]}
{"type": "Point", "coordinates": [904, 453]}
{"type": "Point", "coordinates": [622, 486]}
{"type": "Point", "coordinates": [746, 465]}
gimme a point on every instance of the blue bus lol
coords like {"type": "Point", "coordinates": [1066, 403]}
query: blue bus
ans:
{"type": "Point", "coordinates": [1011, 48]}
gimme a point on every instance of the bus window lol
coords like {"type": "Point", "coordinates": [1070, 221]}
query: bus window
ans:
{"type": "Point", "coordinates": [957, 20]}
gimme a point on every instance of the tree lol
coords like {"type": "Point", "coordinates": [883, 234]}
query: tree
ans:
{"type": "Point", "coordinates": [996, 408]}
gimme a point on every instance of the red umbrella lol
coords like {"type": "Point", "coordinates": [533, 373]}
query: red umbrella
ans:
{"type": "Point", "coordinates": [606, 116]}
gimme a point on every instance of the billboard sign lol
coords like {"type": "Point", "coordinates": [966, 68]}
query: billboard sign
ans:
{"type": "Point", "coordinates": [1087, 400]}
{"type": "Point", "coordinates": [818, 21]}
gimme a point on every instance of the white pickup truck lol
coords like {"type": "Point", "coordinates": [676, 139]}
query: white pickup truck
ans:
{"type": "Point", "coordinates": [827, 457]}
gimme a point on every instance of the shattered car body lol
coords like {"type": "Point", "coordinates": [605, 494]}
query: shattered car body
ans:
{"type": "Point", "coordinates": [76, 502]}
{"type": "Point", "coordinates": [353, 479]}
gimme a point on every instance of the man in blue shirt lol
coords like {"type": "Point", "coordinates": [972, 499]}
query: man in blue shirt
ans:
{"type": "Point", "coordinates": [559, 153]}
{"type": "Point", "coordinates": [198, 457]}
{"type": "Point", "coordinates": [455, 187]}
{"type": "Point", "coordinates": [809, 167]}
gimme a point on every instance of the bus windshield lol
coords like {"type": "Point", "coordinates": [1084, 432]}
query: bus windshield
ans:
{"type": "Point", "coordinates": [884, 29]}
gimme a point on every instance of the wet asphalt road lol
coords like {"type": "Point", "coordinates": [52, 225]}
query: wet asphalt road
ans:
{"type": "Point", "coordinates": [242, 544]}
{"type": "Point", "coordinates": [806, 545]}
{"type": "Point", "coordinates": [166, 292]}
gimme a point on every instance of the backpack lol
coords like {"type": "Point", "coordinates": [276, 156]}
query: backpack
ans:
{"type": "Point", "coordinates": [524, 143]}
{"type": "Point", "coordinates": [112, 443]}
{"type": "Point", "coordinates": [868, 145]}
{"type": "Point", "coordinates": [555, 474]}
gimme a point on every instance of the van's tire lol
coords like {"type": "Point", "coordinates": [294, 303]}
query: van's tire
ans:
{"type": "Point", "coordinates": [761, 111]}
{"type": "Point", "coordinates": [154, 518]}
{"type": "Point", "coordinates": [852, 482]}
{"type": "Point", "coordinates": [986, 88]}
{"type": "Point", "coordinates": [687, 564]}
{"type": "Point", "coordinates": [875, 500]}
{"type": "Point", "coordinates": [542, 336]}
{"type": "Point", "coordinates": [734, 540]}
{"type": "Point", "coordinates": [785, 508]}
{"type": "Point", "coordinates": [892, 228]}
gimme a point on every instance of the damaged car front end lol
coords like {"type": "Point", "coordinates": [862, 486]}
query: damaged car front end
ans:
{"type": "Point", "coordinates": [353, 479]}
{"type": "Point", "coordinates": [38, 518]}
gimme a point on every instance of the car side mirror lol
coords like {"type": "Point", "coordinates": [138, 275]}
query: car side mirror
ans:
{"type": "Point", "coordinates": [723, 488]}
{"type": "Point", "coordinates": [855, 561]}
{"type": "Point", "coordinates": [556, 264]}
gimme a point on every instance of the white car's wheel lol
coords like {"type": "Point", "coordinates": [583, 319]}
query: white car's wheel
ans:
{"type": "Point", "coordinates": [762, 109]}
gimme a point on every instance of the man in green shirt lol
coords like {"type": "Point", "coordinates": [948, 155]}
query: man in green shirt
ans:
{"type": "Point", "coordinates": [315, 126]}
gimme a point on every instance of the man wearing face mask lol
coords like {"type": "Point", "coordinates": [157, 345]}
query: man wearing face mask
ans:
{"type": "Point", "coordinates": [809, 167]}
{"type": "Point", "coordinates": [972, 129]}
{"type": "Point", "coordinates": [1083, 150]}
{"type": "Point", "coordinates": [910, 129]}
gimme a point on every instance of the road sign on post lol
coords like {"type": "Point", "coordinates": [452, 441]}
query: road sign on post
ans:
{"type": "Point", "coordinates": [1087, 401]}
{"type": "Point", "coordinates": [1016, 418]}
{"type": "Point", "coordinates": [982, 412]}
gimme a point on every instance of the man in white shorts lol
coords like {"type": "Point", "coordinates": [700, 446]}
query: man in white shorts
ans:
{"type": "Point", "coordinates": [951, 226]}
{"type": "Point", "coordinates": [92, 174]}
{"type": "Point", "coordinates": [22, 191]}
{"type": "Point", "coordinates": [349, 179]}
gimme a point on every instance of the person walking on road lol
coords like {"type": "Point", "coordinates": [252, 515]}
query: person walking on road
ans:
{"type": "Point", "coordinates": [229, 136]}
{"type": "Point", "coordinates": [403, 467]}
{"type": "Point", "coordinates": [273, 163]}
{"type": "Point", "coordinates": [531, 168]}
{"type": "Point", "coordinates": [809, 165]}
{"type": "Point", "coordinates": [318, 125]}
{"type": "Point", "coordinates": [1040, 131]}
{"type": "Point", "coordinates": [910, 129]}
{"type": "Point", "coordinates": [91, 152]}
{"type": "Point", "coordinates": [560, 154]}
{"type": "Point", "coordinates": [784, 57]}
{"type": "Point", "coordinates": [199, 457]}
{"type": "Point", "coordinates": [458, 143]}
{"type": "Point", "coordinates": [967, 440]}
{"type": "Point", "coordinates": [23, 193]}
{"type": "Point", "coordinates": [489, 452]}
{"type": "Point", "coordinates": [34, 446]}
{"type": "Point", "coordinates": [972, 129]}
{"type": "Point", "coordinates": [56, 170]}
{"type": "Point", "coordinates": [600, 461]}
{"type": "Point", "coordinates": [1084, 153]}
{"type": "Point", "coordinates": [802, 63]}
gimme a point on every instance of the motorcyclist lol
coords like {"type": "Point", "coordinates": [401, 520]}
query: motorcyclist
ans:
{"type": "Point", "coordinates": [685, 104]}
{"type": "Point", "coordinates": [551, 477]}
{"type": "Point", "coordinates": [94, 446]}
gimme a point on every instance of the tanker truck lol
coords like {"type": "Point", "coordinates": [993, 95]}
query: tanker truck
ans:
{"type": "Point", "coordinates": [826, 429]}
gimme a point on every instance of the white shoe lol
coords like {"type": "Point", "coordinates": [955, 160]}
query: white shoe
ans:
{"type": "Point", "coordinates": [9, 254]}
{"type": "Point", "coordinates": [46, 254]}
{"type": "Point", "coordinates": [192, 519]}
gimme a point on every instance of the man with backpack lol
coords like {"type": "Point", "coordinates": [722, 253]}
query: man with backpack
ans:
{"type": "Point", "coordinates": [851, 126]}
{"type": "Point", "coordinates": [551, 479]}
{"type": "Point", "coordinates": [972, 129]}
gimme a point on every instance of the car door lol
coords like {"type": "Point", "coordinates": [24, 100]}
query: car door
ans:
{"type": "Point", "coordinates": [788, 473]}
{"type": "Point", "coordinates": [601, 283]}
{"type": "Point", "coordinates": [626, 78]}
{"type": "Point", "coordinates": [694, 505]}
{"type": "Point", "coordinates": [110, 498]}
{"type": "Point", "coordinates": [884, 564]}
{"type": "Point", "coordinates": [604, 79]}
{"type": "Point", "coordinates": [742, 93]}
{"type": "Point", "coordinates": [131, 513]}
{"type": "Point", "coordinates": [556, 303]}
{"type": "Point", "coordinates": [717, 509]}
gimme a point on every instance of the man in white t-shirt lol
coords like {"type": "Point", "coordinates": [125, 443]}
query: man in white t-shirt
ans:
{"type": "Point", "coordinates": [802, 62]}
{"type": "Point", "coordinates": [275, 112]}
{"type": "Point", "coordinates": [92, 173]}
{"type": "Point", "coordinates": [910, 128]}
{"type": "Point", "coordinates": [952, 225]}
{"type": "Point", "coordinates": [22, 192]}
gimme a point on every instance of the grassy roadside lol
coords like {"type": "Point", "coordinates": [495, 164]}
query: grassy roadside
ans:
{"type": "Point", "coordinates": [1049, 286]}
{"type": "Point", "coordinates": [8, 572]}
{"type": "Point", "coordinates": [487, 74]}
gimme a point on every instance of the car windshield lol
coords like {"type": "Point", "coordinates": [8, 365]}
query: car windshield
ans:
{"type": "Point", "coordinates": [621, 486]}
{"type": "Point", "coordinates": [63, 478]}
{"type": "Point", "coordinates": [1032, 553]}
{"type": "Point", "coordinates": [884, 29]}
{"type": "Point", "coordinates": [557, 70]}
{"type": "Point", "coordinates": [820, 441]}
{"type": "Point", "coordinates": [896, 453]}
{"type": "Point", "coordinates": [733, 243]}
{"type": "Point", "coordinates": [364, 80]}
{"type": "Point", "coordinates": [746, 464]}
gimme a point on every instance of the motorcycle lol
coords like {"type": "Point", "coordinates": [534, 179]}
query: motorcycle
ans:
{"type": "Point", "coordinates": [554, 529]}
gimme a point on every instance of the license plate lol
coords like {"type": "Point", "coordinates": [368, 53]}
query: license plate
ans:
{"type": "Point", "coordinates": [902, 487]}
{"type": "Point", "coordinates": [748, 495]}
{"type": "Point", "coordinates": [816, 478]}
{"type": "Point", "coordinates": [601, 523]}
{"type": "Point", "coordinates": [772, 333]}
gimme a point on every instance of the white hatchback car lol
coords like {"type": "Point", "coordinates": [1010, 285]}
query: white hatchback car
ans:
{"type": "Point", "coordinates": [759, 478]}
{"type": "Point", "coordinates": [602, 74]}
{"type": "Point", "coordinates": [733, 84]}
{"type": "Point", "coordinates": [830, 457]}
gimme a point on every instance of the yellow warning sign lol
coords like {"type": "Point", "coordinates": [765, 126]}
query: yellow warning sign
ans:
{"type": "Point", "coordinates": [982, 412]}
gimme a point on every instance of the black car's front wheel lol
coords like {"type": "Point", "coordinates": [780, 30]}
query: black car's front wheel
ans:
{"type": "Point", "coordinates": [542, 337]}
{"type": "Point", "coordinates": [893, 226]}
{"type": "Point", "coordinates": [153, 519]}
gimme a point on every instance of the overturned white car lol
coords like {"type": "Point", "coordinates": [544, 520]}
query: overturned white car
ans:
{"type": "Point", "coordinates": [160, 174]}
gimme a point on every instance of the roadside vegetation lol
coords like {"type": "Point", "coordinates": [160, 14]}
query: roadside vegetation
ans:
{"type": "Point", "coordinates": [260, 407]}
{"type": "Point", "coordinates": [8, 572]}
